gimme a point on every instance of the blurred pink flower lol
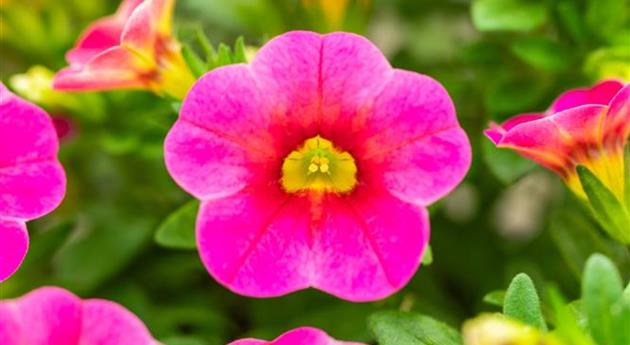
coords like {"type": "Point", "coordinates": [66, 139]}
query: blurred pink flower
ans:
{"type": "Point", "coordinates": [314, 165]}
{"type": "Point", "coordinates": [584, 126]}
{"type": "Point", "coordinates": [298, 336]}
{"type": "Point", "coordinates": [54, 316]}
{"type": "Point", "coordinates": [32, 181]}
{"type": "Point", "coordinates": [134, 48]}
{"type": "Point", "coordinates": [64, 126]}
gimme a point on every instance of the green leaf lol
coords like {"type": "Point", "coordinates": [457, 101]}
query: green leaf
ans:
{"type": "Point", "coordinates": [621, 317]}
{"type": "Point", "coordinates": [508, 15]}
{"type": "Point", "coordinates": [601, 288]}
{"type": "Point", "coordinates": [621, 320]}
{"type": "Point", "coordinates": [107, 247]}
{"type": "Point", "coordinates": [565, 320]}
{"type": "Point", "coordinates": [176, 106]}
{"type": "Point", "coordinates": [507, 165]}
{"type": "Point", "coordinates": [178, 229]}
{"type": "Point", "coordinates": [224, 56]}
{"type": "Point", "coordinates": [42, 247]}
{"type": "Point", "coordinates": [120, 143]}
{"type": "Point", "coordinates": [512, 94]}
{"type": "Point", "coordinates": [577, 238]}
{"type": "Point", "coordinates": [605, 17]}
{"type": "Point", "coordinates": [44, 244]}
{"type": "Point", "coordinates": [427, 258]}
{"type": "Point", "coordinates": [214, 57]}
{"type": "Point", "coordinates": [60, 31]}
{"type": "Point", "coordinates": [578, 312]}
{"type": "Point", "coordinates": [195, 63]}
{"type": "Point", "coordinates": [239, 51]}
{"type": "Point", "coordinates": [571, 18]}
{"type": "Point", "coordinates": [183, 341]}
{"type": "Point", "coordinates": [542, 53]}
{"type": "Point", "coordinates": [396, 328]}
{"type": "Point", "coordinates": [522, 302]}
{"type": "Point", "coordinates": [495, 298]}
{"type": "Point", "coordinates": [206, 46]}
{"type": "Point", "coordinates": [608, 210]}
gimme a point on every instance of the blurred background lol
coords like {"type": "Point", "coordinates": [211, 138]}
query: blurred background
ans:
{"type": "Point", "coordinates": [497, 58]}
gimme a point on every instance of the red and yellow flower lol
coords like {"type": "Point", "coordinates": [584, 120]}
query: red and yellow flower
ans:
{"type": "Point", "coordinates": [588, 127]}
{"type": "Point", "coordinates": [134, 48]}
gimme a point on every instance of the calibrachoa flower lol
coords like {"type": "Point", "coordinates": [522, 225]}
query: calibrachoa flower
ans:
{"type": "Point", "coordinates": [134, 48]}
{"type": "Point", "coordinates": [314, 165]}
{"type": "Point", "coordinates": [54, 316]}
{"type": "Point", "coordinates": [32, 181]}
{"type": "Point", "coordinates": [587, 127]}
{"type": "Point", "coordinates": [299, 336]}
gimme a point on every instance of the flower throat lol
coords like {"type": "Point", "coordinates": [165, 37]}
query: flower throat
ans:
{"type": "Point", "coordinates": [318, 166]}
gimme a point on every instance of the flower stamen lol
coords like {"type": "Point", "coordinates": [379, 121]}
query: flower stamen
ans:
{"type": "Point", "coordinates": [318, 166]}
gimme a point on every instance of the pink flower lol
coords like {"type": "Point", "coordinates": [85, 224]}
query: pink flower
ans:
{"type": "Point", "coordinates": [54, 316]}
{"type": "Point", "coordinates": [134, 48]}
{"type": "Point", "coordinates": [584, 126]}
{"type": "Point", "coordinates": [314, 165]}
{"type": "Point", "coordinates": [32, 181]}
{"type": "Point", "coordinates": [299, 336]}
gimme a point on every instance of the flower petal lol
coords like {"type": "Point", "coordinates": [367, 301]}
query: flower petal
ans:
{"type": "Point", "coordinates": [205, 164]}
{"type": "Point", "coordinates": [31, 190]}
{"type": "Point", "coordinates": [227, 101]}
{"type": "Point", "coordinates": [256, 243]}
{"type": "Point", "coordinates": [148, 23]}
{"type": "Point", "coordinates": [13, 247]}
{"type": "Point", "coordinates": [426, 170]}
{"type": "Point", "coordinates": [221, 141]}
{"type": "Point", "coordinates": [496, 132]}
{"type": "Point", "coordinates": [601, 94]}
{"type": "Point", "coordinates": [127, 7]}
{"type": "Point", "coordinates": [249, 341]}
{"type": "Point", "coordinates": [108, 323]}
{"type": "Point", "coordinates": [353, 73]}
{"type": "Point", "coordinates": [553, 140]}
{"type": "Point", "coordinates": [414, 136]}
{"type": "Point", "coordinates": [287, 69]}
{"type": "Point", "coordinates": [102, 34]}
{"type": "Point", "coordinates": [27, 133]}
{"type": "Point", "coordinates": [32, 182]}
{"type": "Point", "coordinates": [617, 126]}
{"type": "Point", "coordinates": [9, 327]}
{"type": "Point", "coordinates": [54, 316]}
{"type": "Point", "coordinates": [298, 336]}
{"type": "Point", "coordinates": [368, 246]}
{"type": "Point", "coordinates": [49, 316]}
{"type": "Point", "coordinates": [115, 67]}
{"type": "Point", "coordinates": [259, 244]}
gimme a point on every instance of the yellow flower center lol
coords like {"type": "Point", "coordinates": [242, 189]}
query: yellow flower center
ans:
{"type": "Point", "coordinates": [319, 166]}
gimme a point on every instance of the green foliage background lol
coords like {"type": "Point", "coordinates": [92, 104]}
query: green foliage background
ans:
{"type": "Point", "coordinates": [497, 58]}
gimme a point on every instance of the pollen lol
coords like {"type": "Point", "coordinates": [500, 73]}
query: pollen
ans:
{"type": "Point", "coordinates": [319, 166]}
